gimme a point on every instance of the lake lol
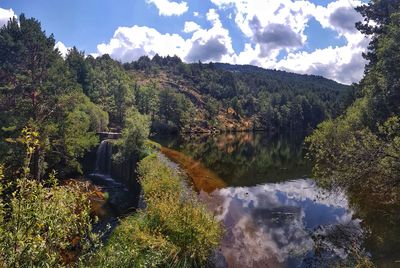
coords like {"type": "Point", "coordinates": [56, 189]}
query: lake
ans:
{"type": "Point", "coordinates": [259, 186]}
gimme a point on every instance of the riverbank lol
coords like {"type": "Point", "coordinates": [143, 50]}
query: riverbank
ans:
{"type": "Point", "coordinates": [174, 228]}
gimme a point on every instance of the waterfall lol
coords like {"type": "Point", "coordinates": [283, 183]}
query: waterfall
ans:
{"type": "Point", "coordinates": [103, 158]}
{"type": "Point", "coordinates": [103, 167]}
{"type": "Point", "coordinates": [120, 197]}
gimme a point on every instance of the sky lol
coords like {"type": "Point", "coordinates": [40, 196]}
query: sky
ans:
{"type": "Point", "coordinates": [303, 36]}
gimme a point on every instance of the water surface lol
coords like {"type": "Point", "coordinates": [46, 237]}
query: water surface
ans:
{"type": "Point", "coordinates": [274, 214]}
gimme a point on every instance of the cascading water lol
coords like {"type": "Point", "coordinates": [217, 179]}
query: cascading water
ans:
{"type": "Point", "coordinates": [102, 171]}
{"type": "Point", "coordinates": [103, 158]}
{"type": "Point", "coordinates": [121, 196]}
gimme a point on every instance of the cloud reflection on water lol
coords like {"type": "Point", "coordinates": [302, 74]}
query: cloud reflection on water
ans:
{"type": "Point", "coordinates": [271, 225]}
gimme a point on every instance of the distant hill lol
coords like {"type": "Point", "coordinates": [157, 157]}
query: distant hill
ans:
{"type": "Point", "coordinates": [288, 77]}
{"type": "Point", "coordinates": [241, 97]}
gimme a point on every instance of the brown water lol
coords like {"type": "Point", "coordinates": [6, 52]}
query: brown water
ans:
{"type": "Point", "coordinates": [259, 187]}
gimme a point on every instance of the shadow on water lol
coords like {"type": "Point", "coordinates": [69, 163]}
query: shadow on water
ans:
{"type": "Point", "coordinates": [274, 215]}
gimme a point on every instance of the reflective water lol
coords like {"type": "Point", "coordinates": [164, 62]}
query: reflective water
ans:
{"type": "Point", "coordinates": [274, 215]}
{"type": "Point", "coordinates": [245, 159]}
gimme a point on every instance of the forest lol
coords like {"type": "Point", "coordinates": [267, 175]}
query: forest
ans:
{"type": "Point", "coordinates": [53, 107]}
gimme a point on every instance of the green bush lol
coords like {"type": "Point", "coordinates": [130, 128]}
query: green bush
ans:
{"type": "Point", "coordinates": [42, 226]}
{"type": "Point", "coordinates": [357, 158]}
{"type": "Point", "coordinates": [134, 244]}
{"type": "Point", "coordinates": [175, 230]}
{"type": "Point", "coordinates": [134, 135]}
{"type": "Point", "coordinates": [45, 227]}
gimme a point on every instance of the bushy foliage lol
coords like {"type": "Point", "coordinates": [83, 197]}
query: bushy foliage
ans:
{"type": "Point", "coordinates": [134, 135]}
{"type": "Point", "coordinates": [358, 159]}
{"type": "Point", "coordinates": [175, 108]}
{"type": "Point", "coordinates": [42, 226]}
{"type": "Point", "coordinates": [83, 119]}
{"type": "Point", "coordinates": [360, 150]}
{"type": "Point", "coordinates": [175, 230]}
{"type": "Point", "coordinates": [134, 244]}
{"type": "Point", "coordinates": [148, 100]}
{"type": "Point", "coordinates": [169, 110]}
{"type": "Point", "coordinates": [112, 88]}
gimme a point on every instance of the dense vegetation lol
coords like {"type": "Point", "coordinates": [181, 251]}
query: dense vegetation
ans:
{"type": "Point", "coordinates": [68, 100]}
{"type": "Point", "coordinates": [360, 150]}
{"type": "Point", "coordinates": [175, 230]}
{"type": "Point", "coordinates": [51, 109]}
{"type": "Point", "coordinates": [39, 91]}
{"type": "Point", "coordinates": [43, 224]}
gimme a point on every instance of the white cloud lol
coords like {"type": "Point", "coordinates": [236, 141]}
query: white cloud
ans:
{"type": "Point", "coordinates": [276, 25]}
{"type": "Point", "coordinates": [5, 15]}
{"type": "Point", "coordinates": [214, 44]}
{"type": "Point", "coordinates": [270, 27]}
{"type": "Point", "coordinates": [191, 26]}
{"type": "Point", "coordinates": [292, 14]}
{"type": "Point", "coordinates": [213, 16]}
{"type": "Point", "coordinates": [129, 44]}
{"type": "Point", "coordinates": [62, 48]}
{"type": "Point", "coordinates": [343, 64]}
{"type": "Point", "coordinates": [169, 8]}
{"type": "Point", "coordinates": [223, 3]}
{"type": "Point", "coordinates": [341, 17]}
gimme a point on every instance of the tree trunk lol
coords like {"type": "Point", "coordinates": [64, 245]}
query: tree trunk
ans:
{"type": "Point", "coordinates": [35, 165]}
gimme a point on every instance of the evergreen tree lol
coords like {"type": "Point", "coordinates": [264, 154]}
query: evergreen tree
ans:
{"type": "Point", "coordinates": [360, 150]}
{"type": "Point", "coordinates": [37, 90]}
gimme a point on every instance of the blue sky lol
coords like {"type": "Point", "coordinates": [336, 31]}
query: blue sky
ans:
{"type": "Point", "coordinates": [307, 36]}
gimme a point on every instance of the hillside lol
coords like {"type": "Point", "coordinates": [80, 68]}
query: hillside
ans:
{"type": "Point", "coordinates": [285, 77]}
{"type": "Point", "coordinates": [238, 97]}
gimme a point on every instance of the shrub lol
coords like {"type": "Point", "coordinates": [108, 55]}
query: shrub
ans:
{"type": "Point", "coordinates": [45, 227]}
{"type": "Point", "coordinates": [357, 159]}
{"type": "Point", "coordinates": [42, 226]}
{"type": "Point", "coordinates": [134, 244]}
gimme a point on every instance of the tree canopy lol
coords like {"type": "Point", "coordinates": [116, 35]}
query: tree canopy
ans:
{"type": "Point", "coordinates": [360, 150]}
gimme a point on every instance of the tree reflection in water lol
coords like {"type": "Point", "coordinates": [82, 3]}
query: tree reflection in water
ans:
{"type": "Point", "coordinates": [245, 158]}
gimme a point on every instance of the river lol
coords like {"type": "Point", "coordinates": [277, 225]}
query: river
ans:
{"type": "Point", "coordinates": [260, 187]}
